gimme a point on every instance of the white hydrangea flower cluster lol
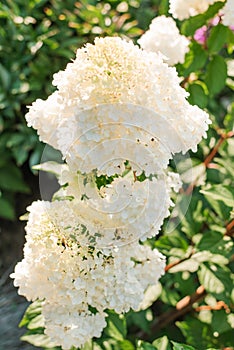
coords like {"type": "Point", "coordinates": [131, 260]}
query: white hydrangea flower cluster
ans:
{"type": "Point", "coordinates": [164, 36]}
{"type": "Point", "coordinates": [97, 90]}
{"type": "Point", "coordinates": [183, 9]}
{"type": "Point", "coordinates": [228, 13]}
{"type": "Point", "coordinates": [71, 278]}
{"type": "Point", "coordinates": [120, 213]}
{"type": "Point", "coordinates": [119, 113]}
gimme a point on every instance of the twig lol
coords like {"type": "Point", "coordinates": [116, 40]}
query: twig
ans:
{"type": "Point", "coordinates": [218, 306]}
{"type": "Point", "coordinates": [212, 154]}
{"type": "Point", "coordinates": [230, 228]}
{"type": "Point", "coordinates": [210, 157]}
{"type": "Point", "coordinates": [185, 81]}
{"type": "Point", "coordinates": [177, 262]}
{"type": "Point", "coordinates": [184, 306]}
{"type": "Point", "coordinates": [169, 266]}
{"type": "Point", "coordinates": [134, 175]}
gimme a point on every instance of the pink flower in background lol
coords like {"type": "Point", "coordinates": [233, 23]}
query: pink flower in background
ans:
{"type": "Point", "coordinates": [201, 35]}
{"type": "Point", "coordinates": [214, 21]}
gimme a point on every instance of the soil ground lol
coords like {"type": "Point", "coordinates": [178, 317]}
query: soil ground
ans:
{"type": "Point", "coordinates": [12, 309]}
{"type": "Point", "coordinates": [12, 306]}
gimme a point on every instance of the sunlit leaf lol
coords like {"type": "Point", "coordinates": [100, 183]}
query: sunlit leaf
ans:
{"type": "Point", "coordinates": [221, 193]}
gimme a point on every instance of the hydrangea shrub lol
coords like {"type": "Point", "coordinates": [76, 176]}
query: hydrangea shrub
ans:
{"type": "Point", "coordinates": [92, 261]}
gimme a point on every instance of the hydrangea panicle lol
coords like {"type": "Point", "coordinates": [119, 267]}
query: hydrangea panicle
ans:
{"type": "Point", "coordinates": [228, 13]}
{"type": "Point", "coordinates": [164, 36]}
{"type": "Point", "coordinates": [183, 9]}
{"type": "Point", "coordinates": [71, 278]}
{"type": "Point", "coordinates": [119, 112]}
{"type": "Point", "coordinates": [116, 73]}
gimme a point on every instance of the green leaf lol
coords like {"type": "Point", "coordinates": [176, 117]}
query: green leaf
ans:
{"type": "Point", "coordinates": [126, 345]}
{"type": "Point", "coordinates": [40, 340]}
{"type": "Point", "coordinates": [216, 280]}
{"type": "Point", "coordinates": [215, 242]}
{"type": "Point", "coordinates": [184, 282]}
{"type": "Point", "coordinates": [194, 218]}
{"type": "Point", "coordinates": [195, 59]}
{"type": "Point", "coordinates": [209, 280]}
{"type": "Point", "coordinates": [116, 326]}
{"type": "Point", "coordinates": [226, 340]}
{"type": "Point", "coordinates": [170, 295]}
{"type": "Point", "coordinates": [151, 295]}
{"type": "Point", "coordinates": [11, 179]}
{"type": "Point", "coordinates": [197, 333]}
{"type": "Point", "coordinates": [217, 38]}
{"type": "Point", "coordinates": [162, 343]}
{"type": "Point", "coordinates": [221, 193]}
{"type": "Point", "coordinates": [190, 265]}
{"type": "Point", "coordinates": [20, 155]}
{"type": "Point", "coordinates": [206, 255]}
{"type": "Point", "coordinates": [37, 322]}
{"type": "Point", "coordinates": [227, 165]}
{"type": "Point", "coordinates": [197, 95]}
{"type": "Point", "coordinates": [220, 322]}
{"type": "Point", "coordinates": [229, 118]}
{"type": "Point", "coordinates": [35, 157]}
{"type": "Point", "coordinates": [15, 140]}
{"type": "Point", "coordinates": [138, 319]}
{"type": "Point", "coordinates": [216, 75]}
{"type": "Point", "coordinates": [90, 345]}
{"type": "Point", "coordinates": [171, 241]}
{"type": "Point", "coordinates": [141, 345]}
{"type": "Point", "coordinates": [189, 26]}
{"type": "Point", "coordinates": [220, 208]}
{"type": "Point", "coordinates": [7, 210]}
{"type": "Point", "coordinates": [195, 174]}
{"type": "Point", "coordinates": [5, 77]}
{"type": "Point", "coordinates": [31, 312]}
{"type": "Point", "coordinates": [178, 346]}
{"type": "Point", "coordinates": [50, 167]}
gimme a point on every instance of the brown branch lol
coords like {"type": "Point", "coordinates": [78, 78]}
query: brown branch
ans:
{"type": "Point", "coordinates": [190, 188]}
{"type": "Point", "coordinates": [184, 82]}
{"type": "Point", "coordinates": [169, 266]}
{"type": "Point", "coordinates": [134, 175]}
{"type": "Point", "coordinates": [230, 228]}
{"type": "Point", "coordinates": [210, 157]}
{"type": "Point", "coordinates": [212, 154]}
{"type": "Point", "coordinates": [188, 301]}
{"type": "Point", "coordinates": [177, 262]}
{"type": "Point", "coordinates": [183, 306]}
{"type": "Point", "coordinates": [218, 306]}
